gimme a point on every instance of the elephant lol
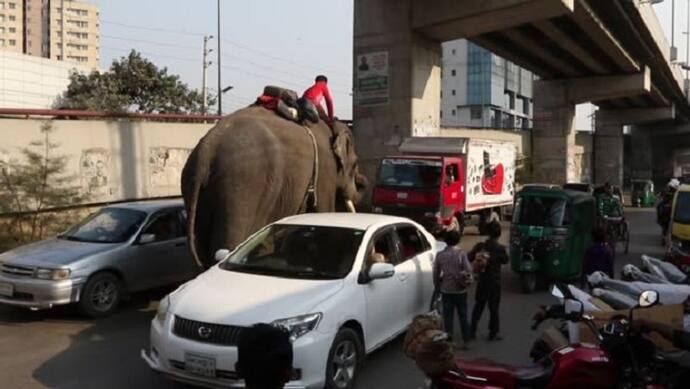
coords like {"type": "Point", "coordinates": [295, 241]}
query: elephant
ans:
{"type": "Point", "coordinates": [254, 167]}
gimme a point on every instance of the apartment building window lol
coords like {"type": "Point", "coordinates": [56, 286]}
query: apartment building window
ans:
{"type": "Point", "coordinates": [2, 30]}
{"type": "Point", "coordinates": [2, 18]}
{"type": "Point", "coordinates": [12, 29]}
{"type": "Point", "coordinates": [453, 112]}
{"type": "Point", "coordinates": [12, 18]}
{"type": "Point", "coordinates": [453, 51]}
{"type": "Point", "coordinates": [2, 5]}
{"type": "Point", "coordinates": [13, 42]}
{"type": "Point", "coordinates": [453, 92]}
{"type": "Point", "coordinates": [2, 42]}
{"type": "Point", "coordinates": [453, 72]}
{"type": "Point", "coordinates": [12, 5]}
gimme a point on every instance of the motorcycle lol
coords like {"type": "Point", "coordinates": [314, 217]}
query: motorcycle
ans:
{"type": "Point", "coordinates": [622, 357]}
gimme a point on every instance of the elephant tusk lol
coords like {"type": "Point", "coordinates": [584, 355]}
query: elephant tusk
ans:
{"type": "Point", "coordinates": [350, 206]}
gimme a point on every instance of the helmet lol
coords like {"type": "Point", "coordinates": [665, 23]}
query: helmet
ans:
{"type": "Point", "coordinates": [674, 183]}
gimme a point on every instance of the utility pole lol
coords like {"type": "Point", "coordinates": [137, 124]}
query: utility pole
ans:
{"type": "Point", "coordinates": [687, 42]}
{"type": "Point", "coordinates": [220, 82]}
{"type": "Point", "coordinates": [204, 77]}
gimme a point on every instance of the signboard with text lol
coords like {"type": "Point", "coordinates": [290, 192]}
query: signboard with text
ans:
{"type": "Point", "coordinates": [372, 78]}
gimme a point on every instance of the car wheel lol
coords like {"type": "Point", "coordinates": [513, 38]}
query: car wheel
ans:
{"type": "Point", "coordinates": [344, 360]}
{"type": "Point", "coordinates": [101, 295]}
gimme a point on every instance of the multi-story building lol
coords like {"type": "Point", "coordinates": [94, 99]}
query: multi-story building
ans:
{"type": "Point", "coordinates": [481, 89]}
{"type": "Point", "coordinates": [74, 32]}
{"type": "Point", "coordinates": [11, 25]}
{"type": "Point", "coordinates": [64, 30]}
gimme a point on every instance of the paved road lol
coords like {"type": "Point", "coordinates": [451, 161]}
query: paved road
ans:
{"type": "Point", "coordinates": [59, 349]}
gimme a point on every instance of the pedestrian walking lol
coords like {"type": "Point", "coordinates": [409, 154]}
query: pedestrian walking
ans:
{"type": "Point", "coordinates": [599, 257]}
{"type": "Point", "coordinates": [452, 275]}
{"type": "Point", "coordinates": [487, 258]}
{"type": "Point", "coordinates": [264, 357]}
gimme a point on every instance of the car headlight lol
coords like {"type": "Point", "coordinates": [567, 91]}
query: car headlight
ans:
{"type": "Point", "coordinates": [299, 325]}
{"type": "Point", "coordinates": [162, 310]}
{"type": "Point", "coordinates": [52, 274]}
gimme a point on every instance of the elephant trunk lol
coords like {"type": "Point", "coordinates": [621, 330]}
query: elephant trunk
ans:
{"type": "Point", "coordinates": [350, 206]}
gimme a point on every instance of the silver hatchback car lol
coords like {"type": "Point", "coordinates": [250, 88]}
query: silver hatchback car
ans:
{"type": "Point", "coordinates": [120, 249]}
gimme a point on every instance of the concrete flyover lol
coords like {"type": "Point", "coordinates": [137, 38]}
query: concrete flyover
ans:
{"type": "Point", "coordinates": [612, 53]}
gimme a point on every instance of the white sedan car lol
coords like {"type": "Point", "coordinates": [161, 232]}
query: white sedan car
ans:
{"type": "Point", "coordinates": [342, 284]}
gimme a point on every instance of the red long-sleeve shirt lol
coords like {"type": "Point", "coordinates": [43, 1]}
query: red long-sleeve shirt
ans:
{"type": "Point", "coordinates": [318, 92]}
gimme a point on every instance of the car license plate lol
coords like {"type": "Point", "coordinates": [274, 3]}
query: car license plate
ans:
{"type": "Point", "coordinates": [6, 289]}
{"type": "Point", "coordinates": [200, 365]}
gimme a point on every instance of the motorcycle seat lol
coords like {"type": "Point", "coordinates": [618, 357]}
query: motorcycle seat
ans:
{"type": "Point", "coordinates": [531, 376]}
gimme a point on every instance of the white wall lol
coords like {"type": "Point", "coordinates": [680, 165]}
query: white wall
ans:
{"type": "Point", "coordinates": [27, 81]}
{"type": "Point", "coordinates": [113, 160]}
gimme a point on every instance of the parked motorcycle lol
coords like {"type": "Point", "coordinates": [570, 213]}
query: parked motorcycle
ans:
{"type": "Point", "coordinates": [622, 357]}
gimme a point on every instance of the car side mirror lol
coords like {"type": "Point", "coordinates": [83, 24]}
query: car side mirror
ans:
{"type": "Point", "coordinates": [221, 254]}
{"type": "Point", "coordinates": [648, 298]}
{"type": "Point", "coordinates": [380, 271]}
{"type": "Point", "coordinates": [147, 238]}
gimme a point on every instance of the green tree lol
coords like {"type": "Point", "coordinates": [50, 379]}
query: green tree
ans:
{"type": "Point", "coordinates": [30, 187]}
{"type": "Point", "coordinates": [132, 84]}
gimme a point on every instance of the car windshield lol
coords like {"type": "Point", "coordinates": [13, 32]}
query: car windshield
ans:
{"type": "Point", "coordinates": [109, 225]}
{"type": "Point", "coordinates": [541, 211]}
{"type": "Point", "coordinates": [412, 173]}
{"type": "Point", "coordinates": [681, 213]}
{"type": "Point", "coordinates": [297, 251]}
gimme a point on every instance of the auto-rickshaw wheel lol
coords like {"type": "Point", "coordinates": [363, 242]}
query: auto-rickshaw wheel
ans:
{"type": "Point", "coordinates": [528, 282]}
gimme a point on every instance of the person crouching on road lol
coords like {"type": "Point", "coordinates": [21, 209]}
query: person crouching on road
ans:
{"type": "Point", "coordinates": [598, 257]}
{"type": "Point", "coordinates": [452, 275]}
{"type": "Point", "coordinates": [264, 357]}
{"type": "Point", "coordinates": [492, 255]}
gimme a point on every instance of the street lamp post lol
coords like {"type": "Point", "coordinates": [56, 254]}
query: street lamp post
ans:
{"type": "Point", "coordinates": [220, 80]}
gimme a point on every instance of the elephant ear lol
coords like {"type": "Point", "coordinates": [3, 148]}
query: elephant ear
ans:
{"type": "Point", "coordinates": [340, 147]}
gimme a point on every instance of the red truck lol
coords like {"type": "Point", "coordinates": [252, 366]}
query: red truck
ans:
{"type": "Point", "coordinates": [447, 183]}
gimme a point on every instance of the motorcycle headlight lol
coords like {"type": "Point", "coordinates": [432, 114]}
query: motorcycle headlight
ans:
{"type": "Point", "coordinates": [162, 311]}
{"type": "Point", "coordinates": [52, 274]}
{"type": "Point", "coordinates": [299, 325]}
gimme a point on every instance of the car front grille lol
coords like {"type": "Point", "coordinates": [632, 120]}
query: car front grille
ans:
{"type": "Point", "coordinates": [21, 271]}
{"type": "Point", "coordinates": [226, 374]}
{"type": "Point", "coordinates": [221, 334]}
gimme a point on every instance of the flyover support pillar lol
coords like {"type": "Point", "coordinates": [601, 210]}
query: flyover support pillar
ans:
{"type": "Point", "coordinates": [608, 148]}
{"type": "Point", "coordinates": [553, 135]}
{"type": "Point", "coordinates": [640, 153]}
{"type": "Point", "coordinates": [397, 81]}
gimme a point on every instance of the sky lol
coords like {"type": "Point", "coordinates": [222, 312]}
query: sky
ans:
{"type": "Point", "coordinates": [264, 42]}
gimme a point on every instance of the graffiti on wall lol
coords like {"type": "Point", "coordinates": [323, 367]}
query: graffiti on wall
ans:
{"type": "Point", "coordinates": [94, 172]}
{"type": "Point", "coordinates": [165, 166]}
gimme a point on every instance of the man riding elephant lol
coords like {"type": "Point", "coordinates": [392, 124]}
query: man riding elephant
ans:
{"type": "Point", "coordinates": [255, 167]}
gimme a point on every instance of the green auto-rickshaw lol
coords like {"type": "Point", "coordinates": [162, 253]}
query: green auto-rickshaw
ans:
{"type": "Point", "coordinates": [550, 232]}
{"type": "Point", "coordinates": [642, 194]}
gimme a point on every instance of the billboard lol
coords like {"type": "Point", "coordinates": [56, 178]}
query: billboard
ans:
{"type": "Point", "coordinates": [371, 75]}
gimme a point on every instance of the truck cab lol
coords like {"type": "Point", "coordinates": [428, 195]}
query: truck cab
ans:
{"type": "Point", "coordinates": [428, 189]}
{"type": "Point", "coordinates": [444, 183]}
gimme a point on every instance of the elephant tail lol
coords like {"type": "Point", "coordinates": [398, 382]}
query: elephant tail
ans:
{"type": "Point", "coordinates": [194, 178]}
